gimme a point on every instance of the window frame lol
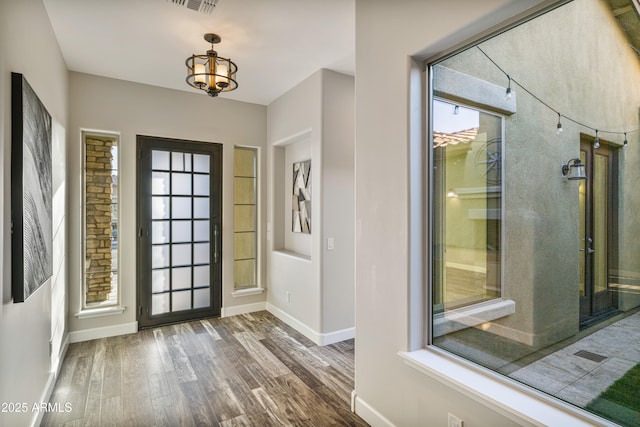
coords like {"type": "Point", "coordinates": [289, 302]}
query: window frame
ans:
{"type": "Point", "coordinates": [512, 399]}
{"type": "Point", "coordinates": [89, 310]}
{"type": "Point", "coordinates": [258, 286]}
{"type": "Point", "coordinates": [421, 90]}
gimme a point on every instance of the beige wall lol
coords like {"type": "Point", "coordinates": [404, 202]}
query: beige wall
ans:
{"type": "Point", "coordinates": [294, 282]}
{"type": "Point", "coordinates": [338, 202]}
{"type": "Point", "coordinates": [313, 288]}
{"type": "Point", "coordinates": [131, 109]}
{"type": "Point", "coordinates": [388, 258]}
{"type": "Point", "coordinates": [28, 46]}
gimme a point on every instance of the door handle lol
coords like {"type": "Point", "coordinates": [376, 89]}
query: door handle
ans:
{"type": "Point", "coordinates": [216, 232]}
{"type": "Point", "coordinates": [589, 242]}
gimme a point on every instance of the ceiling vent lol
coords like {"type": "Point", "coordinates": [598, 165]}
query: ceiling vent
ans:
{"type": "Point", "coordinates": [203, 6]}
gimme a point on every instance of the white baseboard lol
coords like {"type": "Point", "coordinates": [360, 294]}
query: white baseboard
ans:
{"type": "Point", "coordinates": [337, 336]}
{"type": "Point", "coordinates": [63, 352]}
{"type": "Point", "coordinates": [104, 332]}
{"type": "Point", "coordinates": [46, 395]}
{"type": "Point", "coordinates": [51, 382]}
{"type": "Point", "coordinates": [243, 309]}
{"type": "Point", "coordinates": [294, 323]}
{"type": "Point", "coordinates": [367, 413]}
{"type": "Point", "coordinates": [315, 336]}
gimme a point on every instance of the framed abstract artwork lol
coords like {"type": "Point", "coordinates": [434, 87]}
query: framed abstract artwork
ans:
{"type": "Point", "coordinates": [301, 200]}
{"type": "Point", "coordinates": [31, 191]}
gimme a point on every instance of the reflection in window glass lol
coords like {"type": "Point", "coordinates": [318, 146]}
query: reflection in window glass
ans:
{"type": "Point", "coordinates": [467, 175]}
{"type": "Point", "coordinates": [535, 275]}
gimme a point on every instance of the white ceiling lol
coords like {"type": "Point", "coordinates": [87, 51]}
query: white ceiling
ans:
{"type": "Point", "coordinates": [275, 43]}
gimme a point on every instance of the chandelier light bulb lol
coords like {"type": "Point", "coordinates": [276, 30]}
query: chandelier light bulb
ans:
{"type": "Point", "coordinates": [221, 76]}
{"type": "Point", "coordinates": [200, 77]}
{"type": "Point", "coordinates": [596, 142]}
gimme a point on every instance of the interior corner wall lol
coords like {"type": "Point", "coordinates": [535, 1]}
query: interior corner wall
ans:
{"type": "Point", "coordinates": [26, 369]}
{"type": "Point", "coordinates": [338, 195]}
{"type": "Point", "coordinates": [130, 109]}
{"type": "Point", "coordinates": [388, 391]}
{"type": "Point", "coordinates": [293, 280]}
{"type": "Point", "coordinates": [314, 292]}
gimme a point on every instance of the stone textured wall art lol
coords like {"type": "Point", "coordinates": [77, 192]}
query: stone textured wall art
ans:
{"type": "Point", "coordinates": [31, 191]}
{"type": "Point", "coordinates": [301, 200]}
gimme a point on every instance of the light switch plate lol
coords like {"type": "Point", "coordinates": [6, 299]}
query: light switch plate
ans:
{"type": "Point", "coordinates": [331, 243]}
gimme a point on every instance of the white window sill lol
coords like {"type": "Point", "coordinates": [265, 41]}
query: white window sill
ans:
{"type": "Point", "coordinates": [247, 292]}
{"type": "Point", "coordinates": [466, 317]}
{"type": "Point", "coordinates": [89, 313]}
{"type": "Point", "coordinates": [519, 403]}
{"type": "Point", "coordinates": [292, 254]}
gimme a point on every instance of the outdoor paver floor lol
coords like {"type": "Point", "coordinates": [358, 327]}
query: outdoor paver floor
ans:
{"type": "Point", "coordinates": [578, 380]}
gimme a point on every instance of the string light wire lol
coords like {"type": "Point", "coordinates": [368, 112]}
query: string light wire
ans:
{"type": "Point", "coordinates": [511, 79]}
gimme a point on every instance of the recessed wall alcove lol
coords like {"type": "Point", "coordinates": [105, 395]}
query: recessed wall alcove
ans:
{"type": "Point", "coordinates": [296, 148]}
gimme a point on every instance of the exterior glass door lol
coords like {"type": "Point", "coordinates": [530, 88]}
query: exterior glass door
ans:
{"type": "Point", "coordinates": [597, 197]}
{"type": "Point", "coordinates": [179, 224]}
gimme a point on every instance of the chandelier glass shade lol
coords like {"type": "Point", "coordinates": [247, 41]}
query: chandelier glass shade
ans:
{"type": "Point", "coordinates": [210, 72]}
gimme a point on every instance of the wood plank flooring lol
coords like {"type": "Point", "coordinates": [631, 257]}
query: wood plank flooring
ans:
{"type": "Point", "coordinates": [246, 370]}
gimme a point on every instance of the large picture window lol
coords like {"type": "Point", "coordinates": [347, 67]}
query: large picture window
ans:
{"type": "Point", "coordinates": [533, 166]}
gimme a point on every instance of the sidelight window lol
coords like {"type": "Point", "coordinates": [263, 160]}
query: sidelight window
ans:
{"type": "Point", "coordinates": [245, 197]}
{"type": "Point", "coordinates": [101, 219]}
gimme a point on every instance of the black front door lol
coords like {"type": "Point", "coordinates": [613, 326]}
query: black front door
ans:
{"type": "Point", "coordinates": [179, 202]}
{"type": "Point", "coordinates": [597, 218]}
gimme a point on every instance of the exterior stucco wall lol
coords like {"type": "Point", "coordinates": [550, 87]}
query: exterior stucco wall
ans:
{"type": "Point", "coordinates": [578, 61]}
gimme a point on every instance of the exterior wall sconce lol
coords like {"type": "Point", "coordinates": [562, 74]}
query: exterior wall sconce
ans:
{"type": "Point", "coordinates": [574, 169]}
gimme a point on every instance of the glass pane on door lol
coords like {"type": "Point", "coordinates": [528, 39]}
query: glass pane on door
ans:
{"type": "Point", "coordinates": [180, 248]}
{"type": "Point", "coordinates": [582, 235]}
{"type": "Point", "coordinates": [600, 200]}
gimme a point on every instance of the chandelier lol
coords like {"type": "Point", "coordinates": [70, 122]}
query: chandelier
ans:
{"type": "Point", "coordinates": [210, 72]}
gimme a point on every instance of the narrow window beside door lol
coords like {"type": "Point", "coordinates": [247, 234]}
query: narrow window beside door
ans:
{"type": "Point", "coordinates": [244, 218]}
{"type": "Point", "coordinates": [100, 195]}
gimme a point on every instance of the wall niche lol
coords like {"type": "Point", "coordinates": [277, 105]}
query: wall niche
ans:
{"type": "Point", "coordinates": [290, 237]}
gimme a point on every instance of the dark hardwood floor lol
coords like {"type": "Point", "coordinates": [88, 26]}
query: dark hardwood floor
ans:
{"type": "Point", "coordinates": [247, 370]}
